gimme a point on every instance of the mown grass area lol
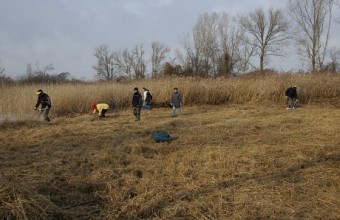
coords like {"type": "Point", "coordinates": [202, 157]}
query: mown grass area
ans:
{"type": "Point", "coordinates": [236, 161]}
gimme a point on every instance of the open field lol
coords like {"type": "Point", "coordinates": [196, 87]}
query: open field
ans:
{"type": "Point", "coordinates": [249, 161]}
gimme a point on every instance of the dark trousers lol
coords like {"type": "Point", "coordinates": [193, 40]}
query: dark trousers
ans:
{"type": "Point", "coordinates": [102, 114]}
{"type": "Point", "coordinates": [46, 112]}
{"type": "Point", "coordinates": [136, 112]}
{"type": "Point", "coordinates": [291, 102]}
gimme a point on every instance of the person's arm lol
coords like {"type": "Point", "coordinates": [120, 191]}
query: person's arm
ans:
{"type": "Point", "coordinates": [48, 102]}
{"type": "Point", "coordinates": [287, 92]}
{"type": "Point", "coordinates": [100, 109]}
{"type": "Point", "coordinates": [140, 100]}
{"type": "Point", "coordinates": [37, 104]}
{"type": "Point", "coordinates": [145, 95]}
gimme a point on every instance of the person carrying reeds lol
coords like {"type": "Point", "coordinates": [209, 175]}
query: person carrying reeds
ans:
{"type": "Point", "coordinates": [45, 102]}
{"type": "Point", "coordinates": [291, 95]}
{"type": "Point", "coordinates": [137, 103]}
{"type": "Point", "coordinates": [176, 101]}
{"type": "Point", "coordinates": [101, 108]}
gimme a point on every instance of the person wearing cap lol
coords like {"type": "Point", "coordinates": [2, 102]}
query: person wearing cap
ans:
{"type": "Point", "coordinates": [176, 101]}
{"type": "Point", "coordinates": [137, 103]}
{"type": "Point", "coordinates": [101, 108]}
{"type": "Point", "coordinates": [291, 95]}
{"type": "Point", "coordinates": [147, 98]}
{"type": "Point", "coordinates": [45, 102]}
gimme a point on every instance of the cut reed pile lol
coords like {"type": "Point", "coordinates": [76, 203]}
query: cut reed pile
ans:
{"type": "Point", "coordinates": [237, 162]}
{"type": "Point", "coordinates": [18, 101]}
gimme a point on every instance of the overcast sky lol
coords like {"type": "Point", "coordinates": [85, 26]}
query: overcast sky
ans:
{"type": "Point", "coordinates": [66, 32]}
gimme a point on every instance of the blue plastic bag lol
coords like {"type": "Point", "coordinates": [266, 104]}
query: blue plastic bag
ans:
{"type": "Point", "coordinates": [162, 136]}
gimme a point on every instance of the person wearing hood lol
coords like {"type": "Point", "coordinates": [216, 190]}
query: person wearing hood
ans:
{"type": "Point", "coordinates": [45, 102]}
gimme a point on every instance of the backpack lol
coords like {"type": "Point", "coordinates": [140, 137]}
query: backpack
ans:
{"type": "Point", "coordinates": [162, 136]}
{"type": "Point", "coordinates": [148, 97]}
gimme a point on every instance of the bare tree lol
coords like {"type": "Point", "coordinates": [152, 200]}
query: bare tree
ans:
{"type": "Point", "coordinates": [44, 75]}
{"type": "Point", "coordinates": [46, 69]}
{"type": "Point", "coordinates": [313, 19]}
{"type": "Point", "coordinates": [3, 78]}
{"type": "Point", "coordinates": [159, 51]}
{"type": "Point", "coordinates": [232, 44]}
{"type": "Point", "coordinates": [104, 66]}
{"type": "Point", "coordinates": [227, 45]}
{"type": "Point", "coordinates": [334, 61]}
{"type": "Point", "coordinates": [206, 42]}
{"type": "Point", "coordinates": [188, 56]}
{"type": "Point", "coordinates": [2, 70]}
{"type": "Point", "coordinates": [123, 61]}
{"type": "Point", "coordinates": [267, 33]}
{"type": "Point", "coordinates": [138, 62]}
{"type": "Point", "coordinates": [200, 50]}
{"type": "Point", "coordinates": [127, 63]}
{"type": "Point", "coordinates": [337, 3]}
{"type": "Point", "coordinates": [213, 48]}
{"type": "Point", "coordinates": [245, 52]}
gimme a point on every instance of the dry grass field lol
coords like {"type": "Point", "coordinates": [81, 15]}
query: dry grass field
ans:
{"type": "Point", "coordinates": [227, 162]}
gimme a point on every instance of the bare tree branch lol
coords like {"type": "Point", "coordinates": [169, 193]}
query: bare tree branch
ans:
{"type": "Point", "coordinates": [313, 18]}
{"type": "Point", "coordinates": [104, 66]}
{"type": "Point", "coordinates": [267, 33]}
{"type": "Point", "coordinates": [159, 51]}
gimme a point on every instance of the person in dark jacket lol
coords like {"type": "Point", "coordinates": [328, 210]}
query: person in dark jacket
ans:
{"type": "Point", "coordinates": [291, 95]}
{"type": "Point", "coordinates": [45, 102]}
{"type": "Point", "coordinates": [176, 101]}
{"type": "Point", "coordinates": [137, 103]}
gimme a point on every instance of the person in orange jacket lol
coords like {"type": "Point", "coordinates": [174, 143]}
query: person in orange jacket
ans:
{"type": "Point", "coordinates": [102, 108]}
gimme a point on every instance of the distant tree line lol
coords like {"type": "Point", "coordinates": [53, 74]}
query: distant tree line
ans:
{"type": "Point", "coordinates": [3, 78]}
{"type": "Point", "coordinates": [224, 45]}
{"type": "Point", "coordinates": [43, 75]}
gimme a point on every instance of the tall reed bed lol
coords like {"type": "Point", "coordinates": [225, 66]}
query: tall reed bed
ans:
{"type": "Point", "coordinates": [17, 101]}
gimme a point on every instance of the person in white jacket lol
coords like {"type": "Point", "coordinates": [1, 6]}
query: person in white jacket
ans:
{"type": "Point", "coordinates": [147, 98]}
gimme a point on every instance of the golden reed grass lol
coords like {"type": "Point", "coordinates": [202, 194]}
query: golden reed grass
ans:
{"type": "Point", "coordinates": [17, 101]}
